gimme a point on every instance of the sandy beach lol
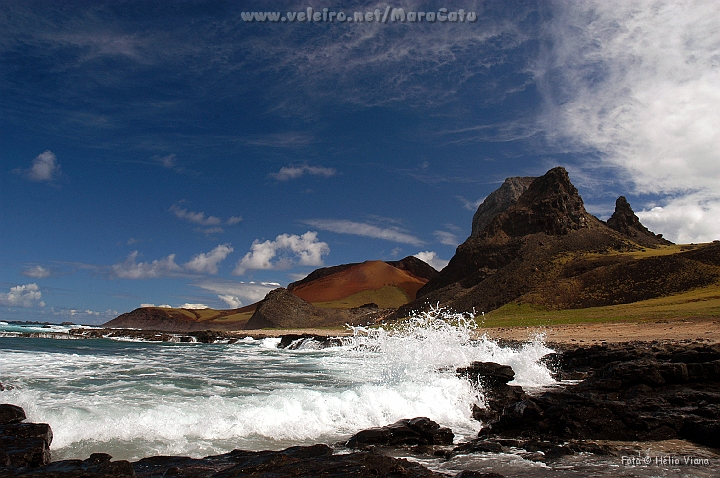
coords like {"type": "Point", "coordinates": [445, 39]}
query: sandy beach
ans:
{"type": "Point", "coordinates": [700, 329]}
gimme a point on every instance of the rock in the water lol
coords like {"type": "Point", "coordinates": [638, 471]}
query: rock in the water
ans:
{"type": "Point", "coordinates": [11, 414]}
{"type": "Point", "coordinates": [626, 222]}
{"type": "Point", "coordinates": [633, 392]}
{"type": "Point", "coordinates": [499, 201]}
{"type": "Point", "coordinates": [415, 431]}
{"type": "Point", "coordinates": [492, 378]}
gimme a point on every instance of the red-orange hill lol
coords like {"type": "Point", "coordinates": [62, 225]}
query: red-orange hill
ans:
{"type": "Point", "coordinates": [369, 275]}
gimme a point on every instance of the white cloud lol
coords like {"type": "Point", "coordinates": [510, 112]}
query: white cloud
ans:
{"type": "Point", "coordinates": [27, 296]}
{"type": "Point", "coordinates": [169, 161]}
{"type": "Point", "coordinates": [208, 262]}
{"type": "Point", "coordinates": [470, 205]}
{"type": "Point", "coordinates": [232, 301]}
{"type": "Point", "coordinates": [432, 258]}
{"type": "Point", "coordinates": [164, 306]}
{"type": "Point", "coordinates": [363, 229]}
{"type": "Point", "coordinates": [130, 269]}
{"type": "Point", "coordinates": [44, 168]}
{"type": "Point", "coordinates": [37, 272]}
{"type": "Point", "coordinates": [637, 82]}
{"type": "Point", "coordinates": [236, 294]}
{"type": "Point", "coordinates": [193, 306]}
{"type": "Point", "coordinates": [233, 220]}
{"type": "Point", "coordinates": [306, 249]}
{"type": "Point", "coordinates": [195, 217]}
{"type": "Point", "coordinates": [85, 314]}
{"type": "Point", "coordinates": [293, 172]}
{"type": "Point", "coordinates": [686, 219]}
{"type": "Point", "coordinates": [447, 238]}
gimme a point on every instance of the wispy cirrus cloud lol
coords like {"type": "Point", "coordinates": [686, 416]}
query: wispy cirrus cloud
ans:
{"type": "Point", "coordinates": [211, 224]}
{"type": "Point", "coordinates": [344, 226]}
{"type": "Point", "coordinates": [36, 272]}
{"type": "Point", "coordinates": [635, 86]}
{"type": "Point", "coordinates": [287, 173]}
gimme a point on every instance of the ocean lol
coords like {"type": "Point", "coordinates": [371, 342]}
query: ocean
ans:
{"type": "Point", "coordinates": [136, 399]}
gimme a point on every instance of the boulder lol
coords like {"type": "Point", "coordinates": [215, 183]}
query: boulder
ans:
{"type": "Point", "coordinates": [415, 431]}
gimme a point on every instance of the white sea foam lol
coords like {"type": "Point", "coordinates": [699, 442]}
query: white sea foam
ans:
{"type": "Point", "coordinates": [134, 400]}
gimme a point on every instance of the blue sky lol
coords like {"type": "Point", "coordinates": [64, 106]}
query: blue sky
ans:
{"type": "Point", "coordinates": [171, 153]}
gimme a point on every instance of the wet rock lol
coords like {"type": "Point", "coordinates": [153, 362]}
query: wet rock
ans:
{"type": "Point", "coordinates": [415, 431]}
{"type": "Point", "coordinates": [99, 465]}
{"type": "Point", "coordinates": [493, 378]}
{"type": "Point", "coordinates": [316, 460]}
{"type": "Point", "coordinates": [632, 392]}
{"type": "Point", "coordinates": [11, 414]}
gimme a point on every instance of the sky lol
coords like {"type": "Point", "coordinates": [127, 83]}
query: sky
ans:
{"type": "Point", "coordinates": [186, 154]}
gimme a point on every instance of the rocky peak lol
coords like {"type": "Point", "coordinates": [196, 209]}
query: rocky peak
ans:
{"type": "Point", "coordinates": [551, 204]}
{"type": "Point", "coordinates": [499, 201]}
{"type": "Point", "coordinates": [627, 223]}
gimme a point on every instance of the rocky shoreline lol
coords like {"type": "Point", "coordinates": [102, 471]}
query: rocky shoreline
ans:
{"type": "Point", "coordinates": [608, 396]}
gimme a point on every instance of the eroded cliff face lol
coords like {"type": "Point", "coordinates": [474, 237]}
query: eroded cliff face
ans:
{"type": "Point", "coordinates": [499, 201]}
{"type": "Point", "coordinates": [544, 248]}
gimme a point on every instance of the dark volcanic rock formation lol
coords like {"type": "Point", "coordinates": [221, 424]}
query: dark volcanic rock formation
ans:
{"type": "Point", "coordinates": [627, 223]}
{"type": "Point", "coordinates": [632, 392]}
{"type": "Point", "coordinates": [282, 309]}
{"type": "Point", "coordinates": [22, 444]}
{"type": "Point", "coordinates": [414, 431]}
{"type": "Point", "coordinates": [545, 249]}
{"type": "Point", "coordinates": [499, 201]}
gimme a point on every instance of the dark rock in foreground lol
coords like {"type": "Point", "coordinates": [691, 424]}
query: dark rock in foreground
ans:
{"type": "Point", "coordinates": [632, 392]}
{"type": "Point", "coordinates": [415, 431]}
{"type": "Point", "coordinates": [22, 444]}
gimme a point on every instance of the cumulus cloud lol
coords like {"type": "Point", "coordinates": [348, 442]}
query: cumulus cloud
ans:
{"type": "Point", "coordinates": [131, 269]}
{"type": "Point", "coordinates": [44, 168]}
{"type": "Point", "coordinates": [432, 258]}
{"type": "Point", "coordinates": [36, 272]}
{"type": "Point", "coordinates": [303, 250]}
{"type": "Point", "coordinates": [637, 82]}
{"type": "Point", "coordinates": [686, 219]}
{"type": "Point", "coordinates": [293, 172]}
{"type": "Point", "coordinates": [237, 294]}
{"type": "Point", "coordinates": [27, 296]}
{"type": "Point", "coordinates": [195, 217]}
{"type": "Point", "coordinates": [363, 229]}
{"type": "Point", "coordinates": [207, 263]}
